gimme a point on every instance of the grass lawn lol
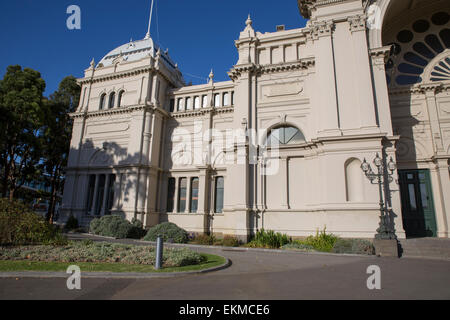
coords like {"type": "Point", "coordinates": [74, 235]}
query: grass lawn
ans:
{"type": "Point", "coordinates": [21, 265]}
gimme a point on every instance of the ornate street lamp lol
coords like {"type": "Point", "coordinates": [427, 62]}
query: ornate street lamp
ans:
{"type": "Point", "coordinates": [386, 230]}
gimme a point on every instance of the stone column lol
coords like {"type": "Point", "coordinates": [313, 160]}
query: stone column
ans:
{"type": "Point", "coordinates": [325, 72]}
{"type": "Point", "coordinates": [441, 186]}
{"type": "Point", "coordinates": [433, 114]}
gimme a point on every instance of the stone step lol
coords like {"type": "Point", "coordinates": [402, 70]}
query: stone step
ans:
{"type": "Point", "coordinates": [426, 247]}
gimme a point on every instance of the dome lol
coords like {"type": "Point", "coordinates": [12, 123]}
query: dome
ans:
{"type": "Point", "coordinates": [134, 51]}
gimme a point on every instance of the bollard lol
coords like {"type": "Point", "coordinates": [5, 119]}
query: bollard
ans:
{"type": "Point", "coordinates": [159, 253]}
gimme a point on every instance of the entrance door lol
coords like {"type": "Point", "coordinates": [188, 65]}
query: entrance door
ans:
{"type": "Point", "coordinates": [417, 203]}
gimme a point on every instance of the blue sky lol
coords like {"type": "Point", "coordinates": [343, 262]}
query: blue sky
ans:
{"type": "Point", "coordinates": [200, 34]}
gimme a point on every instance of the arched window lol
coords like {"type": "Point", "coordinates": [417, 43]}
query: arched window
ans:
{"type": "Point", "coordinates": [217, 100]}
{"type": "Point", "coordinates": [285, 135]}
{"type": "Point", "coordinates": [197, 102]}
{"type": "Point", "coordinates": [226, 100]}
{"type": "Point", "coordinates": [112, 100]}
{"type": "Point", "coordinates": [188, 103]}
{"type": "Point", "coordinates": [119, 103]}
{"type": "Point", "coordinates": [102, 101]}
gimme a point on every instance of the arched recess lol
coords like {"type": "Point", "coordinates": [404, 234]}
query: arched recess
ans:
{"type": "Point", "coordinates": [354, 183]}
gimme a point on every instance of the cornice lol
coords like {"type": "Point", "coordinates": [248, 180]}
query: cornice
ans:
{"type": "Point", "coordinates": [307, 6]}
{"type": "Point", "coordinates": [302, 64]}
{"type": "Point", "coordinates": [113, 111]}
{"type": "Point", "coordinates": [201, 112]}
{"type": "Point", "coordinates": [423, 88]}
{"type": "Point", "coordinates": [116, 75]}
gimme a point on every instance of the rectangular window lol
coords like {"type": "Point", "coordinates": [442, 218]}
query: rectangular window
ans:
{"type": "Point", "coordinates": [171, 195]}
{"type": "Point", "coordinates": [219, 189]}
{"type": "Point", "coordinates": [100, 194]}
{"type": "Point", "coordinates": [182, 195]}
{"type": "Point", "coordinates": [90, 194]}
{"type": "Point", "coordinates": [172, 105]}
{"type": "Point", "coordinates": [109, 205]}
{"type": "Point", "coordinates": [194, 195]}
{"type": "Point", "coordinates": [204, 101]}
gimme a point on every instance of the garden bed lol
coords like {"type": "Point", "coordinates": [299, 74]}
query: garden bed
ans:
{"type": "Point", "coordinates": [101, 252]}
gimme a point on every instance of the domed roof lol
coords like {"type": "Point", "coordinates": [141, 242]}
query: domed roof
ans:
{"type": "Point", "coordinates": [134, 51]}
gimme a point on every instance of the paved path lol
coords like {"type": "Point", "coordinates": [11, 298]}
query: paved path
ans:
{"type": "Point", "coordinates": [260, 275]}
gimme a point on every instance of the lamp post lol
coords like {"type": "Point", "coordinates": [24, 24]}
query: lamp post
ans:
{"type": "Point", "coordinates": [386, 230]}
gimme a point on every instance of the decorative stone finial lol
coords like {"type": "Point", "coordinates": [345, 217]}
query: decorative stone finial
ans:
{"type": "Point", "coordinates": [211, 76]}
{"type": "Point", "coordinates": [249, 21]}
{"type": "Point", "coordinates": [93, 63]}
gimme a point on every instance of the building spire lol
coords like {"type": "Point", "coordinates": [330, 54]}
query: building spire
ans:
{"type": "Point", "coordinates": [147, 36]}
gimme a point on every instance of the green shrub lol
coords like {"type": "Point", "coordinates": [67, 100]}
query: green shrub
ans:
{"type": "Point", "coordinates": [115, 226]}
{"type": "Point", "coordinates": [356, 246]}
{"type": "Point", "coordinates": [168, 231]}
{"type": "Point", "coordinates": [20, 225]}
{"type": "Point", "coordinates": [71, 224]}
{"type": "Point", "coordinates": [230, 241]}
{"type": "Point", "coordinates": [205, 239]}
{"type": "Point", "coordinates": [298, 245]}
{"type": "Point", "coordinates": [321, 241]}
{"type": "Point", "coordinates": [268, 239]}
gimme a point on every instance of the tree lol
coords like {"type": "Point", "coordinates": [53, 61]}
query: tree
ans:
{"type": "Point", "coordinates": [21, 122]}
{"type": "Point", "coordinates": [57, 135]}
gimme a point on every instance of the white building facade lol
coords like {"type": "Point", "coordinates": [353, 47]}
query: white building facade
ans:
{"type": "Point", "coordinates": [280, 145]}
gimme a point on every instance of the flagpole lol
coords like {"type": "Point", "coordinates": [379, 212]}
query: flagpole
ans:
{"type": "Point", "coordinates": [150, 21]}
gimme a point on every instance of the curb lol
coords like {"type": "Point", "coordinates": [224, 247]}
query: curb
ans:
{"type": "Point", "coordinates": [113, 275]}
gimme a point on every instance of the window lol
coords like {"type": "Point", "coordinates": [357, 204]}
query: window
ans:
{"type": "Point", "coordinates": [205, 101]}
{"type": "Point", "coordinates": [172, 105]}
{"type": "Point", "coordinates": [182, 195]}
{"type": "Point", "coordinates": [285, 135]}
{"type": "Point", "coordinates": [90, 194]}
{"type": "Point", "coordinates": [102, 101]}
{"type": "Point", "coordinates": [109, 205]}
{"type": "Point", "coordinates": [232, 98]}
{"type": "Point", "coordinates": [188, 103]}
{"type": "Point", "coordinates": [170, 195]}
{"type": "Point", "coordinates": [196, 102]}
{"type": "Point", "coordinates": [225, 99]}
{"type": "Point", "coordinates": [100, 194]}
{"type": "Point", "coordinates": [217, 100]}
{"type": "Point", "coordinates": [219, 187]}
{"type": "Point", "coordinates": [119, 103]}
{"type": "Point", "coordinates": [112, 100]}
{"type": "Point", "coordinates": [194, 195]}
{"type": "Point", "coordinates": [180, 104]}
